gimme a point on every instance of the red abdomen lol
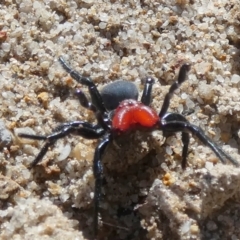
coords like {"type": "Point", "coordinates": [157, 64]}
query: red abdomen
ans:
{"type": "Point", "coordinates": [131, 114]}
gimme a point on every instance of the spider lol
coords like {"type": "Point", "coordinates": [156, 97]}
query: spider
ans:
{"type": "Point", "coordinates": [118, 112]}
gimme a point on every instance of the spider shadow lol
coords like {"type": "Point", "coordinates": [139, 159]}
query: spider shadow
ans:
{"type": "Point", "coordinates": [128, 165]}
{"type": "Point", "coordinates": [129, 171]}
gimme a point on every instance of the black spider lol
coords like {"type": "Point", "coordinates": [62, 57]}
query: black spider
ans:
{"type": "Point", "coordinates": [118, 112]}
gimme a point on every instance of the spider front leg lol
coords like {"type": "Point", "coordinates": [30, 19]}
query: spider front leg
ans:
{"type": "Point", "coordinates": [181, 78]}
{"type": "Point", "coordinates": [146, 96]}
{"type": "Point", "coordinates": [79, 128]}
{"type": "Point", "coordinates": [181, 126]}
{"type": "Point", "coordinates": [170, 117]}
{"type": "Point", "coordinates": [95, 95]}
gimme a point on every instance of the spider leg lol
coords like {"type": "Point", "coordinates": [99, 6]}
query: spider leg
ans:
{"type": "Point", "coordinates": [170, 117]}
{"type": "Point", "coordinates": [98, 174]}
{"type": "Point", "coordinates": [41, 154]}
{"type": "Point", "coordinates": [95, 95]}
{"type": "Point", "coordinates": [185, 141]}
{"type": "Point", "coordinates": [80, 128]}
{"type": "Point", "coordinates": [102, 118]}
{"type": "Point", "coordinates": [180, 126]}
{"type": "Point", "coordinates": [84, 101]}
{"type": "Point", "coordinates": [181, 78]}
{"type": "Point", "coordinates": [146, 96]}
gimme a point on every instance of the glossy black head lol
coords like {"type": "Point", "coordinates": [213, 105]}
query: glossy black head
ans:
{"type": "Point", "coordinates": [115, 92]}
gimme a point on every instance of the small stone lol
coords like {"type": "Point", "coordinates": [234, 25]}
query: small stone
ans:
{"type": "Point", "coordinates": [235, 78]}
{"type": "Point", "coordinates": [3, 36]}
{"type": "Point", "coordinates": [5, 135]}
{"type": "Point", "coordinates": [194, 229]}
{"type": "Point", "coordinates": [102, 25]}
{"type": "Point", "coordinates": [211, 226]}
{"type": "Point", "coordinates": [43, 98]}
{"type": "Point", "coordinates": [168, 179]}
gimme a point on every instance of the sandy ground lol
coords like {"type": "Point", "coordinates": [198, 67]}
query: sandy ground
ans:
{"type": "Point", "coordinates": [146, 194]}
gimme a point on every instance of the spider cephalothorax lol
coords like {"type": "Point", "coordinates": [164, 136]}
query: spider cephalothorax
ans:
{"type": "Point", "coordinates": [118, 112]}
